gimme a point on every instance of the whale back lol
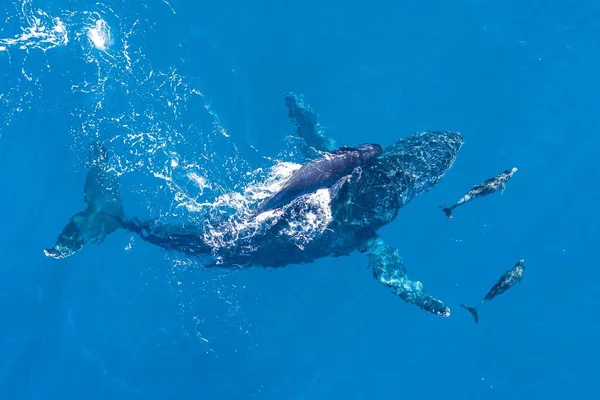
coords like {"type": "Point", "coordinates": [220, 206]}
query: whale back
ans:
{"type": "Point", "coordinates": [405, 169]}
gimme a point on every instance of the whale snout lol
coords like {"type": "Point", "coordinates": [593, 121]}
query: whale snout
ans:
{"type": "Point", "coordinates": [449, 140]}
{"type": "Point", "coordinates": [428, 149]}
{"type": "Point", "coordinates": [416, 163]}
{"type": "Point", "coordinates": [442, 147]}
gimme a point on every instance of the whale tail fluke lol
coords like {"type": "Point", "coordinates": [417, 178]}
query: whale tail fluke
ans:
{"type": "Point", "coordinates": [447, 211]}
{"type": "Point", "coordinates": [472, 310]}
{"type": "Point", "coordinates": [103, 211]}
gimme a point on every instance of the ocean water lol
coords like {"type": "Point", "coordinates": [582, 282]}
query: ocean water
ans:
{"type": "Point", "coordinates": [189, 97]}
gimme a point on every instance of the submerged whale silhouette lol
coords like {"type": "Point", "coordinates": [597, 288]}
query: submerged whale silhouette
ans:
{"type": "Point", "coordinates": [356, 209]}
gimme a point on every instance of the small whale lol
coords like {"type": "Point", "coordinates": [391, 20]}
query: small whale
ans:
{"type": "Point", "coordinates": [321, 173]}
{"type": "Point", "coordinates": [488, 187]}
{"type": "Point", "coordinates": [506, 281]}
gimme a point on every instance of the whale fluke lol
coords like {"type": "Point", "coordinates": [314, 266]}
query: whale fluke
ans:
{"type": "Point", "coordinates": [447, 211]}
{"type": "Point", "coordinates": [102, 197]}
{"type": "Point", "coordinates": [472, 310]}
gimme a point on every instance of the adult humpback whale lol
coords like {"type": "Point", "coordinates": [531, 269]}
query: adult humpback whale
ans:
{"type": "Point", "coordinates": [348, 221]}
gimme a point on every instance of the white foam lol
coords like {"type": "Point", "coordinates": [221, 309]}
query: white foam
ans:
{"type": "Point", "coordinates": [99, 35]}
{"type": "Point", "coordinates": [309, 217]}
{"type": "Point", "coordinates": [43, 32]}
{"type": "Point", "coordinates": [198, 180]}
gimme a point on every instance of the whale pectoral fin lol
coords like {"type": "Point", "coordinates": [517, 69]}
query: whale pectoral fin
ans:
{"type": "Point", "coordinates": [388, 269]}
{"type": "Point", "coordinates": [307, 126]}
{"type": "Point", "coordinates": [103, 209]}
{"type": "Point", "coordinates": [339, 190]}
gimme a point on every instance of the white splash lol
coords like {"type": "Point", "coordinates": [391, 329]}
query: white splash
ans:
{"type": "Point", "coordinates": [42, 32]}
{"type": "Point", "coordinates": [309, 217]}
{"type": "Point", "coordinates": [277, 177]}
{"type": "Point", "coordinates": [200, 181]}
{"type": "Point", "coordinates": [99, 35]}
{"type": "Point", "coordinates": [315, 221]}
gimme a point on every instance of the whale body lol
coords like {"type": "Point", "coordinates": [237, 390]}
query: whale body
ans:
{"type": "Point", "coordinates": [358, 206]}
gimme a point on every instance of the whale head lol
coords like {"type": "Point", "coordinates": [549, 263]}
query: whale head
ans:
{"type": "Point", "coordinates": [416, 164]}
{"type": "Point", "coordinates": [405, 169]}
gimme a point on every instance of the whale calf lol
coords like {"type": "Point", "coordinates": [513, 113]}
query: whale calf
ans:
{"type": "Point", "coordinates": [488, 187]}
{"type": "Point", "coordinates": [321, 173]}
{"type": "Point", "coordinates": [506, 281]}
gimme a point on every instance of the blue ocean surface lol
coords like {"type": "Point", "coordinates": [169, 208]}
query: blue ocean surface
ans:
{"type": "Point", "coordinates": [189, 98]}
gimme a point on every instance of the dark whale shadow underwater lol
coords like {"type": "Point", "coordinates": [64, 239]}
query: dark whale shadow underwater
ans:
{"type": "Point", "coordinates": [332, 214]}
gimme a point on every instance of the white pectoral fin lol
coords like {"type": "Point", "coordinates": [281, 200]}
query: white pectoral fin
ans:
{"type": "Point", "coordinates": [388, 269]}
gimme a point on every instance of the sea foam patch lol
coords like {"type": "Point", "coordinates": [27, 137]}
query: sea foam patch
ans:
{"type": "Point", "coordinates": [99, 35]}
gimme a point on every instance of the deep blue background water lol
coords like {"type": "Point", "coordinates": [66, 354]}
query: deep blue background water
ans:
{"type": "Point", "coordinates": [517, 79]}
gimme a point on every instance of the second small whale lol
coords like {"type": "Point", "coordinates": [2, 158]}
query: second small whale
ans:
{"type": "Point", "coordinates": [506, 281]}
{"type": "Point", "coordinates": [488, 187]}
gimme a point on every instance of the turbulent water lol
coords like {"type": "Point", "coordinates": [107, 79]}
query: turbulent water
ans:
{"type": "Point", "coordinates": [176, 160]}
{"type": "Point", "coordinates": [155, 121]}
